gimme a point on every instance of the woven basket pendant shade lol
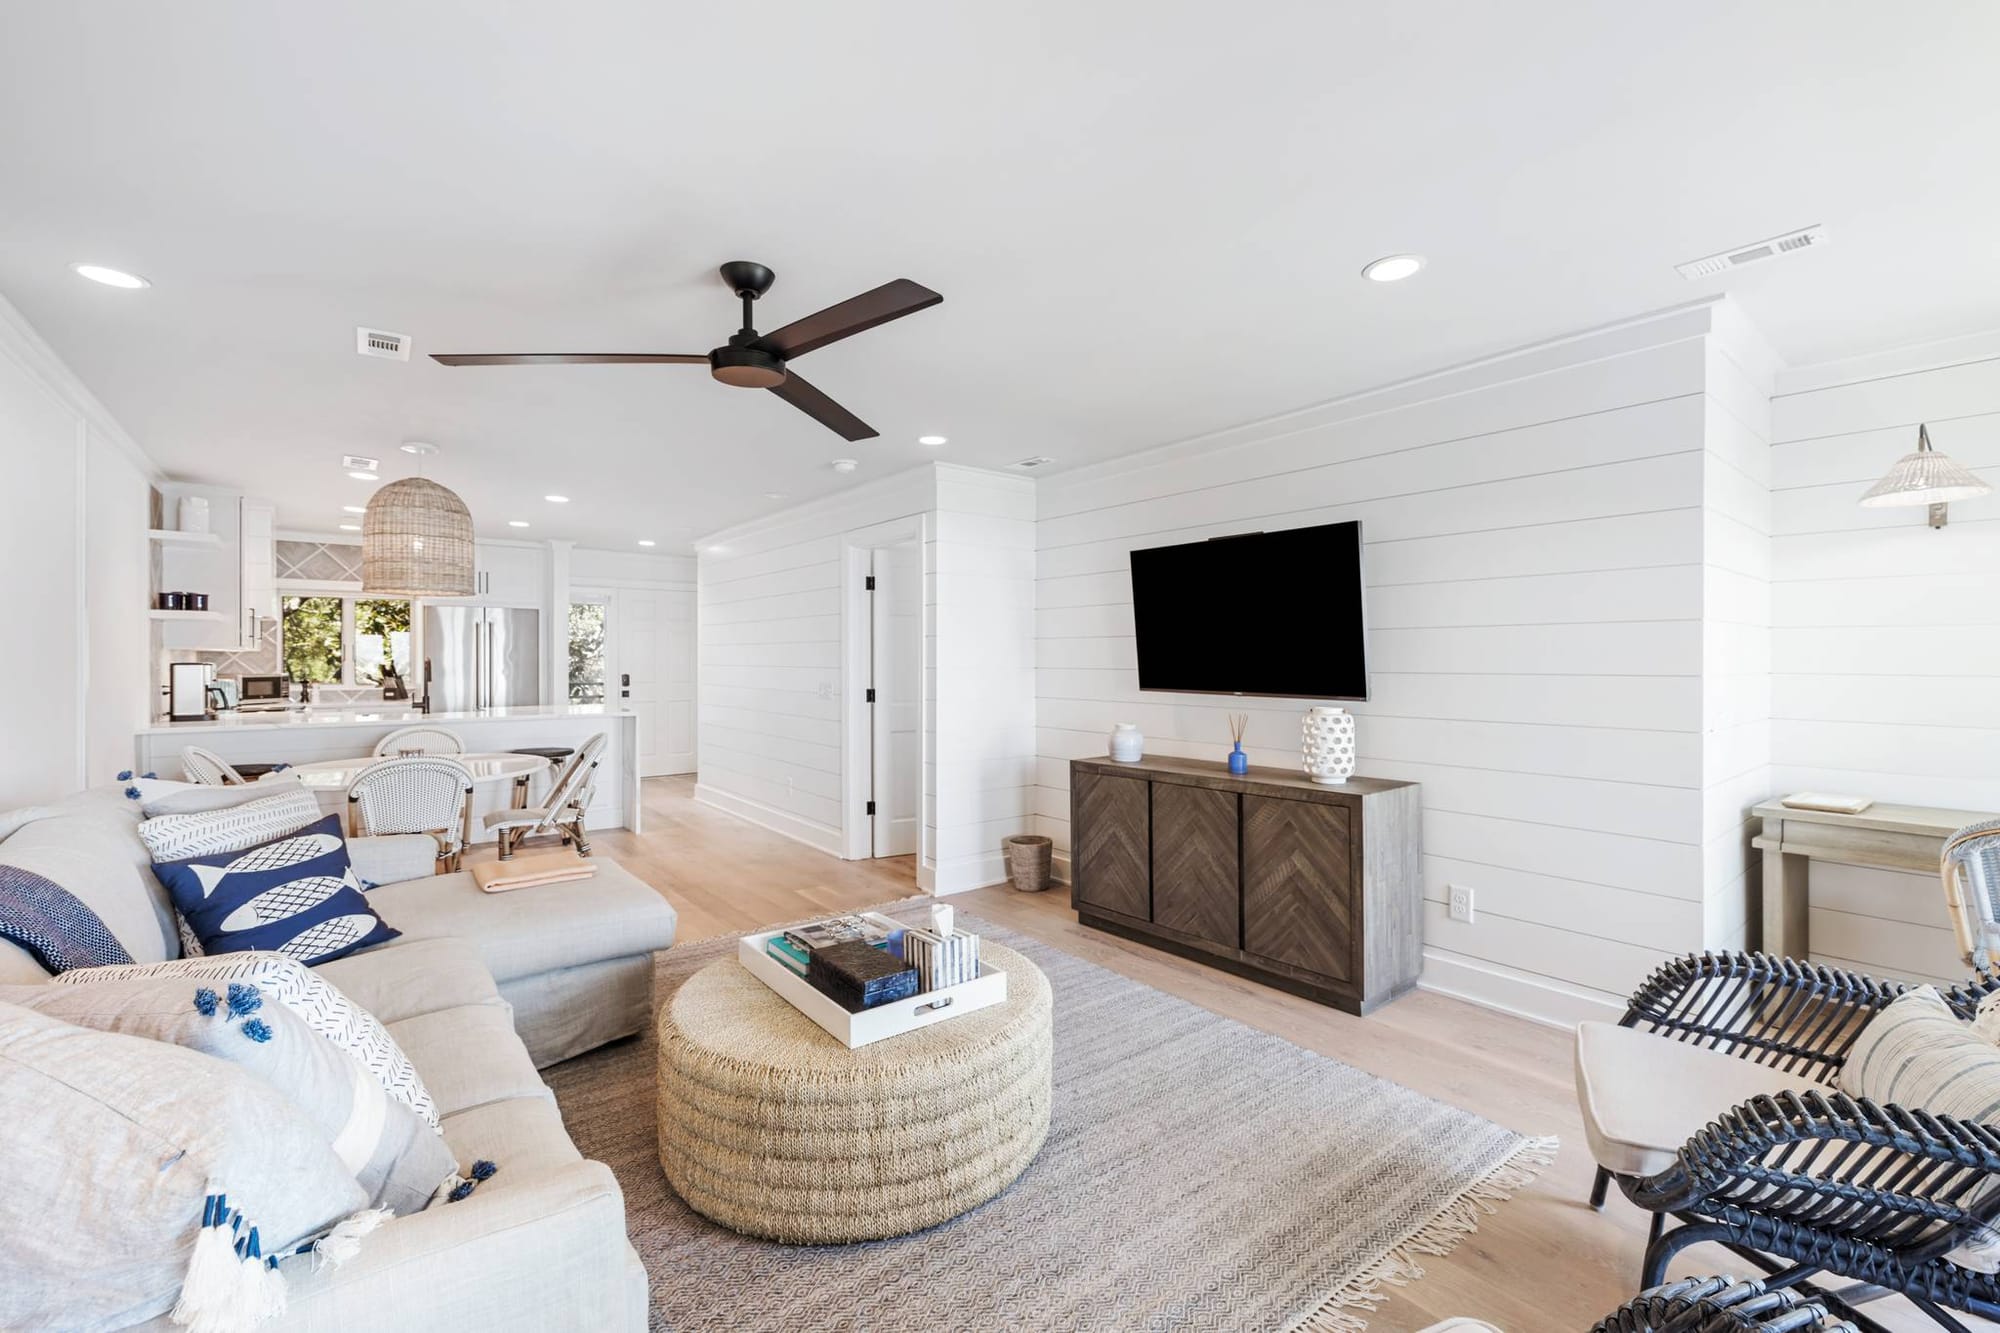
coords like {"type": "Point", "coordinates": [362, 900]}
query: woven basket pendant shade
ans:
{"type": "Point", "coordinates": [416, 541]}
{"type": "Point", "coordinates": [1925, 477]}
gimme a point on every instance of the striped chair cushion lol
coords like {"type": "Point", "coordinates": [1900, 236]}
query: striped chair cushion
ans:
{"type": "Point", "coordinates": [1917, 1054]}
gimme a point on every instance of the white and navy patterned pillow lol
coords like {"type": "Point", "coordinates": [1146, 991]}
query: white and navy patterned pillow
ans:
{"type": "Point", "coordinates": [295, 895]}
{"type": "Point", "coordinates": [56, 927]}
{"type": "Point", "coordinates": [312, 997]}
{"type": "Point", "coordinates": [178, 837]}
{"type": "Point", "coordinates": [1918, 1055]}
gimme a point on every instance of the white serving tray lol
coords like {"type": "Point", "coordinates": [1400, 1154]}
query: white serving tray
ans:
{"type": "Point", "coordinates": [884, 1020]}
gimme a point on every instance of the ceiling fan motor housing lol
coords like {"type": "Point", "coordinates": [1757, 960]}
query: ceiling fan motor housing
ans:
{"type": "Point", "coordinates": [746, 367]}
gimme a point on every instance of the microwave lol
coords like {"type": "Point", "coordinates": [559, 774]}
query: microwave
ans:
{"type": "Point", "coordinates": [264, 689]}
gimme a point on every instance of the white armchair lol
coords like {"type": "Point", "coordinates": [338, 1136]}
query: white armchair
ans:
{"type": "Point", "coordinates": [421, 794]}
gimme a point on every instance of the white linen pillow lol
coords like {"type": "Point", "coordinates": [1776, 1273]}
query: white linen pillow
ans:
{"type": "Point", "coordinates": [158, 796]}
{"type": "Point", "coordinates": [207, 832]}
{"type": "Point", "coordinates": [1917, 1054]}
{"type": "Point", "coordinates": [312, 997]}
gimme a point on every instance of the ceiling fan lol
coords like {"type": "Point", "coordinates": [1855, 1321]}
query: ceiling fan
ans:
{"type": "Point", "coordinates": [753, 360]}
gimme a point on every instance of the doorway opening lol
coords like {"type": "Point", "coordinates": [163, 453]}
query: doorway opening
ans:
{"type": "Point", "coordinates": [893, 696]}
{"type": "Point", "coordinates": [633, 648]}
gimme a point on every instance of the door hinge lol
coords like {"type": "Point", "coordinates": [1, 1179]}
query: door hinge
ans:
{"type": "Point", "coordinates": [869, 583]}
{"type": "Point", "coordinates": [871, 807]}
{"type": "Point", "coordinates": [870, 695]}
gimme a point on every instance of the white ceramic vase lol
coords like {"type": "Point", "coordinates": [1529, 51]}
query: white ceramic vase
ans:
{"type": "Point", "coordinates": [1128, 745]}
{"type": "Point", "coordinates": [1329, 745]}
{"type": "Point", "coordinates": [194, 513]}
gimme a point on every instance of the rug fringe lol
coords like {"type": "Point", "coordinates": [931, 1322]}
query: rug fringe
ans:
{"type": "Point", "coordinates": [1366, 1291]}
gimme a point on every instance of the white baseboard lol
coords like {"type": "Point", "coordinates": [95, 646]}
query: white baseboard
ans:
{"type": "Point", "coordinates": [1537, 999]}
{"type": "Point", "coordinates": [969, 872]}
{"type": "Point", "coordinates": [817, 836]}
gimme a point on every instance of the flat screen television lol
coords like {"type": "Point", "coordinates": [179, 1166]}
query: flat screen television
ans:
{"type": "Point", "coordinates": [1273, 613]}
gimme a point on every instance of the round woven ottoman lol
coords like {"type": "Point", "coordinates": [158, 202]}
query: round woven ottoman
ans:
{"type": "Point", "coordinates": [771, 1127]}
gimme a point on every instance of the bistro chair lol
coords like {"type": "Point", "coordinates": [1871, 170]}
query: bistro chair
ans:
{"type": "Point", "coordinates": [419, 739]}
{"type": "Point", "coordinates": [562, 813]}
{"type": "Point", "coordinates": [1971, 869]}
{"type": "Point", "coordinates": [208, 768]}
{"type": "Point", "coordinates": [420, 794]}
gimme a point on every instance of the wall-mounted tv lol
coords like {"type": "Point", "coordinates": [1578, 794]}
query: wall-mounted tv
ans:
{"type": "Point", "coordinates": [1276, 613]}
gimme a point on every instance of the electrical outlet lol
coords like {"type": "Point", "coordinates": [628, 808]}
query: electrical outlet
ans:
{"type": "Point", "coordinates": [1461, 902]}
{"type": "Point", "coordinates": [826, 689]}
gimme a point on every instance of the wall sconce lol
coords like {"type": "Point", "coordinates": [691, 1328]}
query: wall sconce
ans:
{"type": "Point", "coordinates": [1925, 477]}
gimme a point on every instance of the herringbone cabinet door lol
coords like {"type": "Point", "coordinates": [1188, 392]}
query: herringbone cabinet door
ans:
{"type": "Point", "coordinates": [1194, 862]}
{"type": "Point", "coordinates": [1109, 861]}
{"type": "Point", "coordinates": [1298, 896]}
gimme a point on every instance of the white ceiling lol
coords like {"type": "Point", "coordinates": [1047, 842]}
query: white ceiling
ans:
{"type": "Point", "coordinates": [1146, 216]}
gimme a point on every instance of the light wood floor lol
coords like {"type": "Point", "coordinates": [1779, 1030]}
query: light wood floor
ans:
{"type": "Point", "coordinates": [1542, 1262]}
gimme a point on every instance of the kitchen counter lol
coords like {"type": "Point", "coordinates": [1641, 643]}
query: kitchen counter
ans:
{"type": "Point", "coordinates": [380, 715]}
{"type": "Point", "coordinates": [347, 731]}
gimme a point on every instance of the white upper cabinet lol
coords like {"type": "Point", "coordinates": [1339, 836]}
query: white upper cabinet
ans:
{"type": "Point", "coordinates": [504, 575]}
{"type": "Point", "coordinates": [237, 571]}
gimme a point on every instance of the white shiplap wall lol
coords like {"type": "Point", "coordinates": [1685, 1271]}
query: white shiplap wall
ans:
{"type": "Point", "coordinates": [1736, 625]}
{"type": "Point", "coordinates": [1538, 574]}
{"type": "Point", "coordinates": [980, 666]}
{"type": "Point", "coordinates": [1886, 637]}
{"type": "Point", "coordinates": [769, 712]}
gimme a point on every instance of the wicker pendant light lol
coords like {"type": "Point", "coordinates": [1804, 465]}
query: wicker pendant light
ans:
{"type": "Point", "coordinates": [1925, 477]}
{"type": "Point", "coordinates": [416, 539]}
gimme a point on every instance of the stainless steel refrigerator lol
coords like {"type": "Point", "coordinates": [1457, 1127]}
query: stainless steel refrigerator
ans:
{"type": "Point", "coordinates": [482, 657]}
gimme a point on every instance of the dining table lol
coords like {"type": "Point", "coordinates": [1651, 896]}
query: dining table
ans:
{"type": "Point", "coordinates": [330, 778]}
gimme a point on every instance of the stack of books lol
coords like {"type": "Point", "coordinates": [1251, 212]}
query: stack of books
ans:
{"type": "Point", "coordinates": [941, 960]}
{"type": "Point", "coordinates": [856, 976]}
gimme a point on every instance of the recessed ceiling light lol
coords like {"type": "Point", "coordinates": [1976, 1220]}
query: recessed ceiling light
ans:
{"type": "Point", "coordinates": [644, 542]}
{"type": "Point", "coordinates": [715, 550]}
{"type": "Point", "coordinates": [364, 476]}
{"type": "Point", "coordinates": [774, 495]}
{"type": "Point", "coordinates": [1393, 268]}
{"type": "Point", "coordinates": [930, 439]}
{"type": "Point", "coordinates": [517, 523]}
{"type": "Point", "coordinates": [417, 447]}
{"type": "Point", "coordinates": [557, 499]}
{"type": "Point", "coordinates": [845, 465]}
{"type": "Point", "coordinates": [354, 509]}
{"type": "Point", "coordinates": [350, 527]}
{"type": "Point", "coordinates": [110, 277]}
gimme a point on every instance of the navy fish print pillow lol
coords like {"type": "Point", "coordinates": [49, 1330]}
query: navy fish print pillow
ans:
{"type": "Point", "coordinates": [295, 895]}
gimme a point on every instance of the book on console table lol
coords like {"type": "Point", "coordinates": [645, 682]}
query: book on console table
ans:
{"type": "Point", "coordinates": [856, 975]}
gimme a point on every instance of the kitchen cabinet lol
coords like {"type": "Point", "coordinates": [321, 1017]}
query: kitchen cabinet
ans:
{"type": "Point", "coordinates": [237, 570]}
{"type": "Point", "coordinates": [504, 574]}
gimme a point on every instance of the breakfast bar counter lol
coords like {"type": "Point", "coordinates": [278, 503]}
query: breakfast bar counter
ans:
{"type": "Point", "coordinates": [316, 735]}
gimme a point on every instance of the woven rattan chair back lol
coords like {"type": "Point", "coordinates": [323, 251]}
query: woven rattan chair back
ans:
{"type": "Point", "coordinates": [421, 794]}
{"type": "Point", "coordinates": [207, 767]}
{"type": "Point", "coordinates": [578, 780]}
{"type": "Point", "coordinates": [1971, 869]}
{"type": "Point", "coordinates": [419, 740]}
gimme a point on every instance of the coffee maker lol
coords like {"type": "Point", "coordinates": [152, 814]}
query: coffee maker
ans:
{"type": "Point", "coordinates": [187, 691]}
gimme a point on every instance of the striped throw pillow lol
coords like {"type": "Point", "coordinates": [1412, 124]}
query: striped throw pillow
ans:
{"type": "Point", "coordinates": [1917, 1054]}
{"type": "Point", "coordinates": [207, 832]}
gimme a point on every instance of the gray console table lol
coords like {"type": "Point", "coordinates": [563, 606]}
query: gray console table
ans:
{"type": "Point", "coordinates": [1886, 837]}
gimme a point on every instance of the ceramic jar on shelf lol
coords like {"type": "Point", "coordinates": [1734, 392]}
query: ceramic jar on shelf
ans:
{"type": "Point", "coordinates": [1128, 744]}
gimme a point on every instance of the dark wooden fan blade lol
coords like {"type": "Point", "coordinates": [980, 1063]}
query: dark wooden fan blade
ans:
{"type": "Point", "coordinates": [823, 409]}
{"type": "Point", "coordinates": [573, 359]}
{"type": "Point", "coordinates": [892, 300]}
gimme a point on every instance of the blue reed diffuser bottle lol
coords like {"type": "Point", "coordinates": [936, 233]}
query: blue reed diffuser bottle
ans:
{"type": "Point", "coordinates": [1239, 762]}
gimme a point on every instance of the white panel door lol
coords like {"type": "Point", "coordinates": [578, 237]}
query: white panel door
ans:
{"type": "Point", "coordinates": [897, 632]}
{"type": "Point", "coordinates": [651, 635]}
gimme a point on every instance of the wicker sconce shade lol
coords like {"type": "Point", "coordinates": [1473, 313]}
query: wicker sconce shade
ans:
{"type": "Point", "coordinates": [1925, 477]}
{"type": "Point", "coordinates": [416, 541]}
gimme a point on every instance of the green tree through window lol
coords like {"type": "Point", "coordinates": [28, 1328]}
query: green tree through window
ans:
{"type": "Point", "coordinates": [586, 652]}
{"type": "Point", "coordinates": [311, 635]}
{"type": "Point", "coordinates": [381, 638]}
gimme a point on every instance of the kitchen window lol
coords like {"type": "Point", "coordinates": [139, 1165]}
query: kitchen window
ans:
{"type": "Point", "coordinates": [348, 641]}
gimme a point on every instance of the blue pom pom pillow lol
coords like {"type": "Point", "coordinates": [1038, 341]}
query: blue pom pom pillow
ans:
{"type": "Point", "coordinates": [296, 895]}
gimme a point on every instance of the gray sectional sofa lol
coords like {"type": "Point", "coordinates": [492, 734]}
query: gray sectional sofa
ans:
{"type": "Point", "coordinates": [481, 991]}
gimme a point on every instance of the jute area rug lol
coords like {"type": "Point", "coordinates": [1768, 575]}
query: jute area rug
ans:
{"type": "Point", "coordinates": [1198, 1174]}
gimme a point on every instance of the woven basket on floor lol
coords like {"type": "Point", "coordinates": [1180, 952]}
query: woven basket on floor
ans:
{"type": "Point", "coordinates": [1028, 860]}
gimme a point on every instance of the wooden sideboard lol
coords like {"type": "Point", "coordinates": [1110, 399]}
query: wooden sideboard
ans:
{"type": "Point", "coordinates": [1314, 889]}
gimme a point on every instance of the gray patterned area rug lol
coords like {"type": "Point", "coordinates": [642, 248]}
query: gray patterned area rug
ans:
{"type": "Point", "coordinates": [1198, 1174]}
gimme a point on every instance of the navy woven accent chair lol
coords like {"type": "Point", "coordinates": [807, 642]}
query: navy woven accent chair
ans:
{"type": "Point", "coordinates": [1720, 1305]}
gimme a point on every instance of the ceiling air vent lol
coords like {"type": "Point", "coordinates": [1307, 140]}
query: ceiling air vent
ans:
{"type": "Point", "coordinates": [382, 343]}
{"type": "Point", "coordinates": [356, 463]}
{"type": "Point", "coordinates": [1755, 253]}
{"type": "Point", "coordinates": [1029, 464]}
